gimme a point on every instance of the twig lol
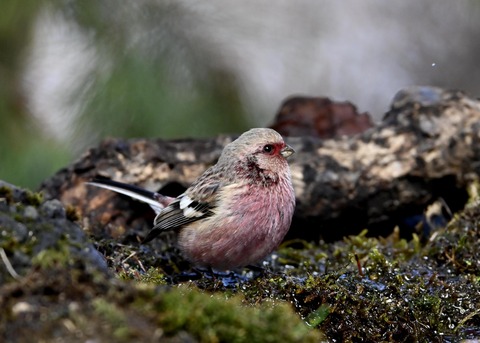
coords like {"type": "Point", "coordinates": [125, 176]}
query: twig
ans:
{"type": "Point", "coordinates": [359, 266]}
{"type": "Point", "coordinates": [468, 317]}
{"type": "Point", "coordinates": [9, 266]}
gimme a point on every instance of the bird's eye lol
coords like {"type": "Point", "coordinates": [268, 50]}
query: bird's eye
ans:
{"type": "Point", "coordinates": [268, 148]}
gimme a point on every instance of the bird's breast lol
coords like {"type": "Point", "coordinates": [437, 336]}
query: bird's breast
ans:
{"type": "Point", "coordinates": [248, 224]}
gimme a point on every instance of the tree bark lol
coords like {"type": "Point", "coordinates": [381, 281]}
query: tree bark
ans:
{"type": "Point", "coordinates": [426, 147]}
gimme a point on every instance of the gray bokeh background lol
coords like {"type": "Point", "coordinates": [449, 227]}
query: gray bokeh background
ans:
{"type": "Point", "coordinates": [73, 72]}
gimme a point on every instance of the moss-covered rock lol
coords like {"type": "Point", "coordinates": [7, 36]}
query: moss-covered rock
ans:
{"type": "Point", "coordinates": [34, 232]}
{"type": "Point", "coordinates": [55, 286]}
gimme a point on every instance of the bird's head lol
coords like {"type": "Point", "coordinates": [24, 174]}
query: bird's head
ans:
{"type": "Point", "coordinates": [258, 151]}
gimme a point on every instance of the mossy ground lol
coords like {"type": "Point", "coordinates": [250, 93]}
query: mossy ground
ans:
{"type": "Point", "coordinates": [359, 289]}
{"type": "Point", "coordinates": [54, 288]}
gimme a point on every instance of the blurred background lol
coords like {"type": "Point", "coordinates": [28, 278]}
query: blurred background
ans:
{"type": "Point", "coordinates": [75, 71]}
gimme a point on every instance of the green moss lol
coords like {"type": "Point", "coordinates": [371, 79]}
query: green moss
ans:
{"type": "Point", "coordinates": [155, 276]}
{"type": "Point", "coordinates": [316, 317]}
{"type": "Point", "coordinates": [6, 193]}
{"type": "Point", "coordinates": [33, 199]}
{"type": "Point", "coordinates": [72, 213]}
{"type": "Point", "coordinates": [28, 197]}
{"type": "Point", "coordinates": [114, 317]}
{"type": "Point", "coordinates": [409, 290]}
{"type": "Point", "coordinates": [56, 256]}
{"type": "Point", "coordinates": [151, 276]}
{"type": "Point", "coordinates": [213, 318]}
{"type": "Point", "coordinates": [18, 217]}
{"type": "Point", "coordinates": [51, 257]}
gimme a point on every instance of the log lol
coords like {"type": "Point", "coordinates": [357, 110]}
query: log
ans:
{"type": "Point", "coordinates": [427, 147]}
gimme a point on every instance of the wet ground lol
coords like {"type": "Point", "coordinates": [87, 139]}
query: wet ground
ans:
{"type": "Point", "coordinates": [60, 284]}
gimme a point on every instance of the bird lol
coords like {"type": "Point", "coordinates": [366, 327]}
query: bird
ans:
{"type": "Point", "coordinates": [236, 213]}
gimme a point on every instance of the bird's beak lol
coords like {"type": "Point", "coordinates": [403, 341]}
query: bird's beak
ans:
{"type": "Point", "coordinates": [287, 151]}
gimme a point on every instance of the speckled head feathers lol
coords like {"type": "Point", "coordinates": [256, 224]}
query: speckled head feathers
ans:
{"type": "Point", "coordinates": [250, 141]}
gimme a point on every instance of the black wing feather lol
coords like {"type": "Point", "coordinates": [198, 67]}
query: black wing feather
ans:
{"type": "Point", "coordinates": [172, 217]}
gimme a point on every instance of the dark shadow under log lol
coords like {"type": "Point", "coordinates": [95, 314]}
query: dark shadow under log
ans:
{"type": "Point", "coordinates": [427, 147]}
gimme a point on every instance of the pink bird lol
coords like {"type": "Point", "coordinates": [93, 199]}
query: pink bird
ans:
{"type": "Point", "coordinates": [237, 212]}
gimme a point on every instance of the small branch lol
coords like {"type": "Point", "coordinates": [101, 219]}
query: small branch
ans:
{"type": "Point", "coordinates": [9, 266]}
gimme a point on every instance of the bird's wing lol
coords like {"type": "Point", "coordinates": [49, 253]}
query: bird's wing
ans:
{"type": "Point", "coordinates": [196, 203]}
{"type": "Point", "coordinates": [178, 214]}
{"type": "Point", "coordinates": [156, 201]}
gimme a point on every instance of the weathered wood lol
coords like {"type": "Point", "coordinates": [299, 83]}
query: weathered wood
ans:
{"type": "Point", "coordinates": [426, 147]}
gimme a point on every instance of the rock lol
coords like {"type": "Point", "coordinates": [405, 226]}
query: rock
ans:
{"type": "Point", "coordinates": [56, 287]}
{"type": "Point", "coordinates": [425, 149]}
{"type": "Point", "coordinates": [319, 117]}
{"type": "Point", "coordinates": [34, 231]}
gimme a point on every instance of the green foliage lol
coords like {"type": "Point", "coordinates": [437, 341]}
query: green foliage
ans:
{"type": "Point", "coordinates": [27, 156]}
{"type": "Point", "coordinates": [139, 99]}
{"type": "Point", "coordinates": [165, 85]}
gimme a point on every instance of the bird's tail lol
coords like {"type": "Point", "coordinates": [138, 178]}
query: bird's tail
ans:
{"type": "Point", "coordinates": [156, 201]}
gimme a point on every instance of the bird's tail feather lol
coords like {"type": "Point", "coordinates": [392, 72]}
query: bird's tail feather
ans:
{"type": "Point", "coordinates": [156, 201]}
